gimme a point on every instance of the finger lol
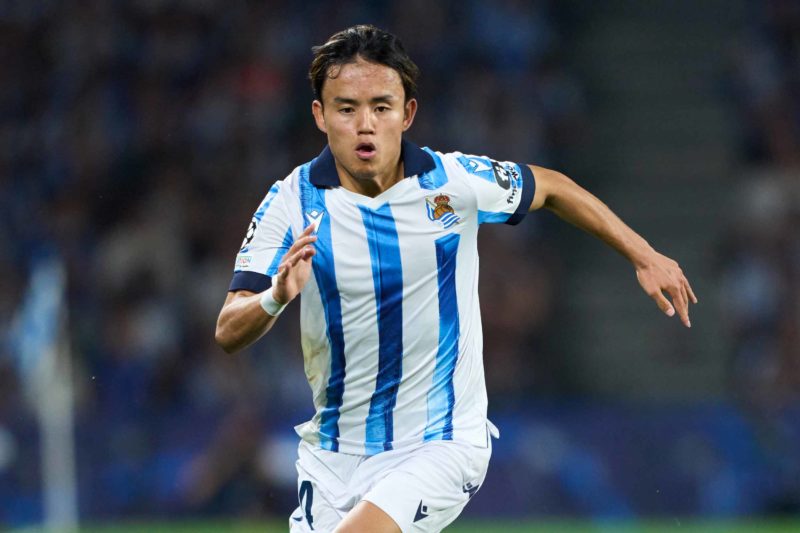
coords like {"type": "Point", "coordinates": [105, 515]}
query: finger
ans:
{"type": "Point", "coordinates": [304, 253]}
{"type": "Point", "coordinates": [681, 305]}
{"type": "Point", "coordinates": [294, 258]}
{"type": "Point", "coordinates": [663, 304]}
{"type": "Point", "coordinates": [306, 233]}
{"type": "Point", "coordinates": [306, 236]}
{"type": "Point", "coordinates": [685, 296]}
{"type": "Point", "coordinates": [283, 271]}
{"type": "Point", "coordinates": [690, 291]}
{"type": "Point", "coordinates": [296, 248]}
{"type": "Point", "coordinates": [301, 242]}
{"type": "Point", "coordinates": [308, 253]}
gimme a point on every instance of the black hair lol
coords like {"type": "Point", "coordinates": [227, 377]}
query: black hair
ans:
{"type": "Point", "coordinates": [368, 42]}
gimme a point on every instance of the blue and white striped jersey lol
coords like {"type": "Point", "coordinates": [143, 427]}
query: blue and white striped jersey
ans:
{"type": "Point", "coordinates": [390, 320]}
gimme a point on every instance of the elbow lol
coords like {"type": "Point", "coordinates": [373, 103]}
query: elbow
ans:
{"type": "Point", "coordinates": [226, 340]}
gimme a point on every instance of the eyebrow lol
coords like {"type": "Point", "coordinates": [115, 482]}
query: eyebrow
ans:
{"type": "Point", "coordinates": [384, 98]}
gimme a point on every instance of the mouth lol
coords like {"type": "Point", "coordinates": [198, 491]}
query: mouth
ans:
{"type": "Point", "coordinates": [365, 151]}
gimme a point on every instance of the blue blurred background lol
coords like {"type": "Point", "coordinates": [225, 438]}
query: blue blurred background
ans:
{"type": "Point", "coordinates": [137, 138]}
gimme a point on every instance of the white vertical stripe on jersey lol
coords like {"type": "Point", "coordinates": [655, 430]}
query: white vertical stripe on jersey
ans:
{"type": "Point", "coordinates": [469, 413]}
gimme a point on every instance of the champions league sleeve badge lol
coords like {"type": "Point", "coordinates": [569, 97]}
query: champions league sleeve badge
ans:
{"type": "Point", "coordinates": [248, 238]}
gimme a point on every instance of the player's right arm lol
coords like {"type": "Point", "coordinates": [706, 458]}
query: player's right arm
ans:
{"type": "Point", "coordinates": [243, 320]}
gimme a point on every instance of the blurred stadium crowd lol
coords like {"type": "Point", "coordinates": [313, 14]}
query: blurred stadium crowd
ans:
{"type": "Point", "coordinates": [761, 254]}
{"type": "Point", "coordinates": [136, 139]}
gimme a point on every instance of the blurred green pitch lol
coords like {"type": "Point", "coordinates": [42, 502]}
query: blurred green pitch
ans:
{"type": "Point", "coordinates": [565, 526]}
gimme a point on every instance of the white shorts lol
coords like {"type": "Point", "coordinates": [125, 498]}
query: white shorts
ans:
{"type": "Point", "coordinates": [423, 488]}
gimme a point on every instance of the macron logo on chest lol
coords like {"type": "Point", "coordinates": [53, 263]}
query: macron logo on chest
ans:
{"type": "Point", "coordinates": [314, 218]}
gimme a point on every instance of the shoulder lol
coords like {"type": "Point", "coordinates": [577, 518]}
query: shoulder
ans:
{"type": "Point", "coordinates": [470, 166]}
{"type": "Point", "coordinates": [454, 165]}
{"type": "Point", "coordinates": [293, 183]}
{"type": "Point", "coordinates": [282, 195]}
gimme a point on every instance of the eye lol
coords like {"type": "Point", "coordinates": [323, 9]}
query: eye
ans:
{"type": "Point", "coordinates": [382, 108]}
{"type": "Point", "coordinates": [346, 110]}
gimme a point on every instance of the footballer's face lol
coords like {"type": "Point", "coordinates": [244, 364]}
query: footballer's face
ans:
{"type": "Point", "coordinates": [364, 113]}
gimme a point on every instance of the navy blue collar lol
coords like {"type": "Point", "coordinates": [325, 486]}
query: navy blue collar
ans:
{"type": "Point", "coordinates": [416, 162]}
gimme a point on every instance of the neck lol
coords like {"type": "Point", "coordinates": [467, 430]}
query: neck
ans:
{"type": "Point", "coordinates": [374, 186]}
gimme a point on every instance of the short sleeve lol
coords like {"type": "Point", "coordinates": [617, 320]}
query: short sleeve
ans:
{"type": "Point", "coordinates": [268, 238]}
{"type": "Point", "coordinates": [504, 190]}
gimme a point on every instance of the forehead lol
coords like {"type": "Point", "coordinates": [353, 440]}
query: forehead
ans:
{"type": "Point", "coordinates": [362, 80]}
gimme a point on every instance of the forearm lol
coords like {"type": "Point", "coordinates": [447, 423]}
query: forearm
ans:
{"type": "Point", "coordinates": [241, 322]}
{"type": "Point", "coordinates": [581, 208]}
{"type": "Point", "coordinates": [656, 273]}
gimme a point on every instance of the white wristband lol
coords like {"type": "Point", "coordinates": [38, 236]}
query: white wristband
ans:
{"type": "Point", "coordinates": [269, 304]}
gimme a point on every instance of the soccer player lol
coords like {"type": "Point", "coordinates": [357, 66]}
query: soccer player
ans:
{"type": "Point", "coordinates": [379, 239]}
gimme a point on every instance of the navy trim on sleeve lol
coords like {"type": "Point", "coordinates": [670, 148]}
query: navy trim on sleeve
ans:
{"type": "Point", "coordinates": [249, 281]}
{"type": "Point", "coordinates": [528, 188]}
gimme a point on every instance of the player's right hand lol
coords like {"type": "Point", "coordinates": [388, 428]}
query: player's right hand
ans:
{"type": "Point", "coordinates": [294, 270]}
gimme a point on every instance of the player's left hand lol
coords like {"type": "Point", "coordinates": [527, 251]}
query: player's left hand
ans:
{"type": "Point", "coordinates": [659, 274]}
{"type": "Point", "coordinates": [295, 269]}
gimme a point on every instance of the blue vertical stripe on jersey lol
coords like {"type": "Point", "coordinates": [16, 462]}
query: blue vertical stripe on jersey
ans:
{"type": "Point", "coordinates": [313, 199]}
{"type": "Point", "coordinates": [436, 177]}
{"type": "Point", "coordinates": [273, 192]}
{"type": "Point", "coordinates": [288, 240]}
{"type": "Point", "coordinates": [387, 276]}
{"type": "Point", "coordinates": [441, 397]}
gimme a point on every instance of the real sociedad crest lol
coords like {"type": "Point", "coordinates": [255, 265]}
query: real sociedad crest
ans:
{"type": "Point", "coordinates": [439, 209]}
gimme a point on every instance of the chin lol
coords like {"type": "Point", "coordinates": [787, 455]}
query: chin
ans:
{"type": "Point", "coordinates": [362, 174]}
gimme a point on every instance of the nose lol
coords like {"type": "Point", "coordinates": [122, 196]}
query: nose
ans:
{"type": "Point", "coordinates": [365, 122]}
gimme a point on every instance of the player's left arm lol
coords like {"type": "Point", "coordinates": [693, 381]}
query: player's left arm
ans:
{"type": "Point", "coordinates": [656, 273]}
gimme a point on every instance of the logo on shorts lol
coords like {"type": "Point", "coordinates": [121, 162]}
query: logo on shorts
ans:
{"type": "Point", "coordinates": [306, 492]}
{"type": "Point", "coordinates": [439, 208]}
{"type": "Point", "coordinates": [422, 512]}
{"type": "Point", "coordinates": [470, 489]}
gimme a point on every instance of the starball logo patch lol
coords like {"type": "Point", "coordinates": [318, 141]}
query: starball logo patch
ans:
{"type": "Point", "coordinates": [248, 238]}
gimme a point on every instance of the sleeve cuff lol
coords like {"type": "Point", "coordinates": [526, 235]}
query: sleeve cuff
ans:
{"type": "Point", "coordinates": [249, 281]}
{"type": "Point", "coordinates": [528, 188]}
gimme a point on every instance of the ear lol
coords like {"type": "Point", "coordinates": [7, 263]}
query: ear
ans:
{"type": "Point", "coordinates": [409, 111]}
{"type": "Point", "coordinates": [319, 116]}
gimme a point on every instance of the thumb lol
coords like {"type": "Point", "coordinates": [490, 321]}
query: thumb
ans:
{"type": "Point", "coordinates": [283, 271]}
